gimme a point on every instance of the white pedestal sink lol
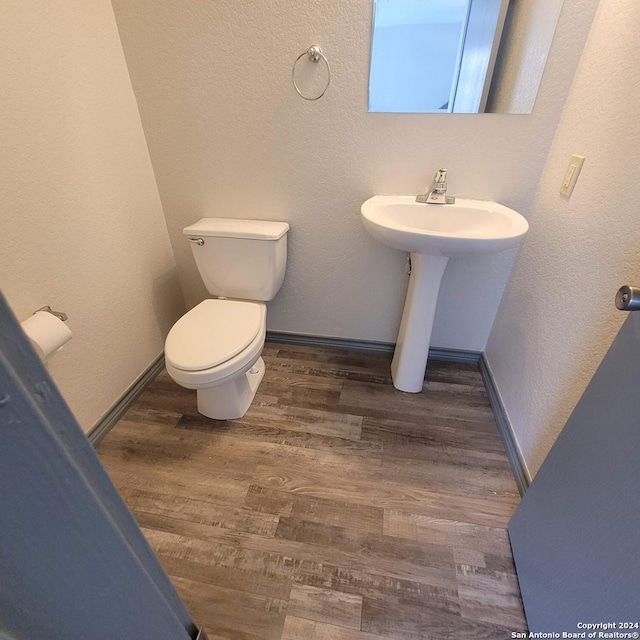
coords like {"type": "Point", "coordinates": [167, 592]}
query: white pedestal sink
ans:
{"type": "Point", "coordinates": [433, 233]}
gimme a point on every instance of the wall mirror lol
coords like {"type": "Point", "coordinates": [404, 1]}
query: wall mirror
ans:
{"type": "Point", "coordinates": [459, 56]}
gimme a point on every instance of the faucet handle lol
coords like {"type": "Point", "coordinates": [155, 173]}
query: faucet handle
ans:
{"type": "Point", "coordinates": [441, 176]}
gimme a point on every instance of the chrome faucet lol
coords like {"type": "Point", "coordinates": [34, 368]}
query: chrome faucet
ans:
{"type": "Point", "coordinates": [437, 193]}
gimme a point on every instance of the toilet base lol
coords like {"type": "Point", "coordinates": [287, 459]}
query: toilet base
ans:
{"type": "Point", "coordinates": [231, 400]}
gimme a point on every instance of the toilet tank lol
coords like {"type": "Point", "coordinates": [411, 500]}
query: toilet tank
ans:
{"type": "Point", "coordinates": [242, 259]}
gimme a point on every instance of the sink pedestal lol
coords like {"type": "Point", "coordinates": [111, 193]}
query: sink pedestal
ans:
{"type": "Point", "coordinates": [412, 348]}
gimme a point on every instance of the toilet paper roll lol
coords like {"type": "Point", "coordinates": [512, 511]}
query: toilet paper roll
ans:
{"type": "Point", "coordinates": [47, 333]}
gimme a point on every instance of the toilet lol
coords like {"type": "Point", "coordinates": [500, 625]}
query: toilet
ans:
{"type": "Point", "coordinates": [215, 348]}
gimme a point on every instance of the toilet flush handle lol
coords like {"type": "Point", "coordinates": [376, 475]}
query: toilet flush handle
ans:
{"type": "Point", "coordinates": [198, 241]}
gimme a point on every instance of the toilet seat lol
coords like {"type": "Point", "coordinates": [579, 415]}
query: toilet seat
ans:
{"type": "Point", "coordinates": [215, 340]}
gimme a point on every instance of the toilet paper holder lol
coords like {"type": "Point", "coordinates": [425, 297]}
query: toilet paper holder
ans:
{"type": "Point", "coordinates": [58, 314]}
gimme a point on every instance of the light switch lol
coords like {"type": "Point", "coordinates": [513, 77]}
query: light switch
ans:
{"type": "Point", "coordinates": [571, 176]}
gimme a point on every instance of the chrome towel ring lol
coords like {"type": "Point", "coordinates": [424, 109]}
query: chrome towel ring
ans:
{"type": "Point", "coordinates": [314, 53]}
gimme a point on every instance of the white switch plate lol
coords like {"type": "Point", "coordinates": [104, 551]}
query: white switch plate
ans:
{"type": "Point", "coordinates": [571, 176]}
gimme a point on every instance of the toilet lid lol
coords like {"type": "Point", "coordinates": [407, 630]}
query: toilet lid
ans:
{"type": "Point", "coordinates": [212, 333]}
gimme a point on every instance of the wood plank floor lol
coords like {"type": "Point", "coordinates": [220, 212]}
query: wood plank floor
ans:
{"type": "Point", "coordinates": [338, 508]}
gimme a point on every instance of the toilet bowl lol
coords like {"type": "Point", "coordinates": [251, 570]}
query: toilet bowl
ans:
{"type": "Point", "coordinates": [215, 349]}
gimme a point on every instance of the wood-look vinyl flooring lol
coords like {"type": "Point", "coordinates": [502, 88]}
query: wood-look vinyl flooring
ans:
{"type": "Point", "coordinates": [338, 508]}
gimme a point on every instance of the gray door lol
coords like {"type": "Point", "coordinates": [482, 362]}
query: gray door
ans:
{"type": "Point", "coordinates": [73, 562]}
{"type": "Point", "coordinates": [576, 534]}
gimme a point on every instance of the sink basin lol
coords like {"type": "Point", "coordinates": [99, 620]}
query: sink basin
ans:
{"type": "Point", "coordinates": [433, 233]}
{"type": "Point", "coordinates": [468, 226]}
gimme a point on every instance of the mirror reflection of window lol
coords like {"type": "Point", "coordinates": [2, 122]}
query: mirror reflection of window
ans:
{"type": "Point", "coordinates": [433, 55]}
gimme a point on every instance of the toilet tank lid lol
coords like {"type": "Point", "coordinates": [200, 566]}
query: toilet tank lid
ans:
{"type": "Point", "coordinates": [231, 228]}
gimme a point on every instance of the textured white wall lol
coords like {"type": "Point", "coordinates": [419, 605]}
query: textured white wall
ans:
{"type": "Point", "coordinates": [82, 223]}
{"type": "Point", "coordinates": [557, 318]}
{"type": "Point", "coordinates": [228, 136]}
